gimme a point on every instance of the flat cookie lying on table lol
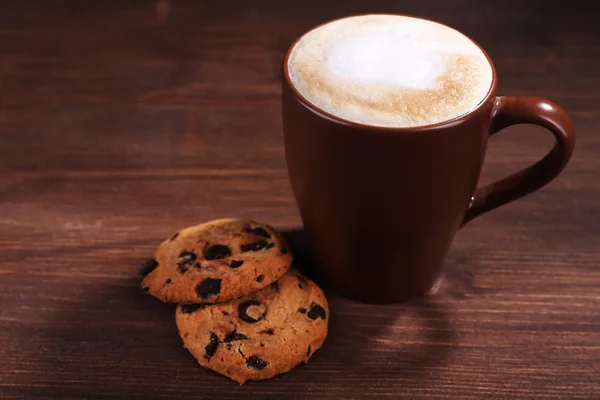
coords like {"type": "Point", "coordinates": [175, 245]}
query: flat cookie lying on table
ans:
{"type": "Point", "coordinates": [260, 335]}
{"type": "Point", "coordinates": [216, 261]}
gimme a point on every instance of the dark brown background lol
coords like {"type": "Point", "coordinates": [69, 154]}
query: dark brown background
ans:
{"type": "Point", "coordinates": [122, 121]}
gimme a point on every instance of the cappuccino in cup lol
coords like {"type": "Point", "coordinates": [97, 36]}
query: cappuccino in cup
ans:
{"type": "Point", "coordinates": [390, 70]}
{"type": "Point", "coordinates": [386, 120]}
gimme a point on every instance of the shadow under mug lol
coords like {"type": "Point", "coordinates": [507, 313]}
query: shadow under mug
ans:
{"type": "Point", "coordinates": [381, 205]}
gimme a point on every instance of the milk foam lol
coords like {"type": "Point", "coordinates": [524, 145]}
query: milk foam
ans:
{"type": "Point", "coordinates": [389, 70]}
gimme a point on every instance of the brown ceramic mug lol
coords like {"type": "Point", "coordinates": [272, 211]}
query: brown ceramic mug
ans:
{"type": "Point", "coordinates": [381, 205]}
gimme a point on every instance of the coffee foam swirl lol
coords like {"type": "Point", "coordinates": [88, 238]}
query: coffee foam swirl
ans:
{"type": "Point", "coordinates": [390, 70]}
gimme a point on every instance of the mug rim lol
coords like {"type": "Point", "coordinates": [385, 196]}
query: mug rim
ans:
{"type": "Point", "coordinates": [402, 129]}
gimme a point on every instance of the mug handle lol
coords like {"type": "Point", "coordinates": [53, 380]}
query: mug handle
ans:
{"type": "Point", "coordinates": [526, 110]}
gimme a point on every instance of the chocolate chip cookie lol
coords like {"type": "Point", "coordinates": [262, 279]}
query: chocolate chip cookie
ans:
{"type": "Point", "coordinates": [257, 336]}
{"type": "Point", "coordinates": [216, 261]}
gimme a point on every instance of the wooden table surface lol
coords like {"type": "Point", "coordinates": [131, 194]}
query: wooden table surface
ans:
{"type": "Point", "coordinates": [122, 121]}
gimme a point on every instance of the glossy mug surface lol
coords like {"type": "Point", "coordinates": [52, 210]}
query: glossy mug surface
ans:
{"type": "Point", "coordinates": [384, 168]}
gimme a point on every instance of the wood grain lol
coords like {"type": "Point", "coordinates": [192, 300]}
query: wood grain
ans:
{"type": "Point", "coordinates": [122, 121]}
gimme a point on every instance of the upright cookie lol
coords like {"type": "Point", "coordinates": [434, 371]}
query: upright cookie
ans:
{"type": "Point", "coordinates": [260, 335]}
{"type": "Point", "coordinates": [216, 261]}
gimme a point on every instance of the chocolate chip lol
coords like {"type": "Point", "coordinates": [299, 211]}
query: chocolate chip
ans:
{"type": "Point", "coordinates": [302, 283]}
{"type": "Point", "coordinates": [259, 231]}
{"type": "Point", "coordinates": [197, 265]}
{"type": "Point", "coordinates": [243, 311]}
{"type": "Point", "coordinates": [185, 260]}
{"type": "Point", "coordinates": [302, 310]}
{"type": "Point", "coordinates": [217, 252]}
{"type": "Point", "coordinates": [236, 263]}
{"type": "Point", "coordinates": [267, 331]}
{"type": "Point", "coordinates": [259, 278]}
{"type": "Point", "coordinates": [182, 268]}
{"type": "Point", "coordinates": [148, 267]}
{"type": "Point", "coordinates": [308, 351]}
{"type": "Point", "coordinates": [256, 246]}
{"type": "Point", "coordinates": [168, 281]}
{"type": "Point", "coordinates": [190, 308]}
{"type": "Point", "coordinates": [187, 257]}
{"type": "Point", "coordinates": [211, 347]}
{"type": "Point", "coordinates": [262, 345]}
{"type": "Point", "coordinates": [256, 363]}
{"type": "Point", "coordinates": [208, 287]}
{"type": "Point", "coordinates": [230, 337]}
{"type": "Point", "coordinates": [174, 236]}
{"type": "Point", "coordinates": [315, 312]}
